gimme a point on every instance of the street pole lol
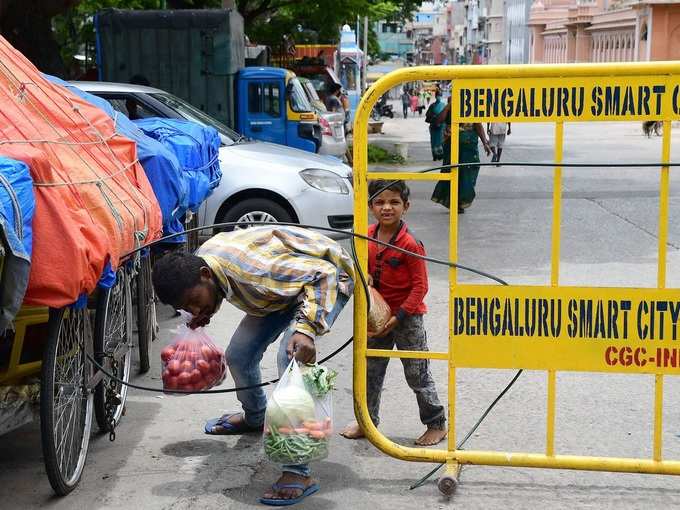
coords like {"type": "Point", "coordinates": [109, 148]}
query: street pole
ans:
{"type": "Point", "coordinates": [365, 60]}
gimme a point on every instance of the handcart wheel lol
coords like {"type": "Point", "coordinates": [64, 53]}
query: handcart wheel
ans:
{"type": "Point", "coordinates": [447, 485]}
{"type": "Point", "coordinates": [113, 350]}
{"type": "Point", "coordinates": [146, 313]}
{"type": "Point", "coordinates": [65, 402]}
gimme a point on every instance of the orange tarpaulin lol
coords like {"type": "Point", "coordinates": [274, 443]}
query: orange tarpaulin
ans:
{"type": "Point", "coordinates": [93, 200]}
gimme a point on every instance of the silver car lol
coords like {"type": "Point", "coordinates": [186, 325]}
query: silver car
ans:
{"type": "Point", "coordinates": [261, 181]}
{"type": "Point", "coordinates": [333, 141]}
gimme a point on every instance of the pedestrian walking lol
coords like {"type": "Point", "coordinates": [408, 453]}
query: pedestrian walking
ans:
{"type": "Point", "coordinates": [497, 132]}
{"type": "Point", "coordinates": [405, 102]}
{"type": "Point", "coordinates": [468, 154]}
{"type": "Point", "coordinates": [289, 281]}
{"type": "Point", "coordinates": [436, 129]}
{"type": "Point", "coordinates": [402, 281]}
{"type": "Point", "coordinates": [421, 102]}
{"type": "Point", "coordinates": [414, 102]}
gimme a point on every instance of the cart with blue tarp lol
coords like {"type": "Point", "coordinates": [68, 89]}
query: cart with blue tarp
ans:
{"type": "Point", "coordinates": [46, 354]}
{"type": "Point", "coordinates": [44, 370]}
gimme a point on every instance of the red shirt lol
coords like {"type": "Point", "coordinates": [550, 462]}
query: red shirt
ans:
{"type": "Point", "coordinates": [400, 278]}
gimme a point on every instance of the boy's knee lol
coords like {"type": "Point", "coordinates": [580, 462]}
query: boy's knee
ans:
{"type": "Point", "coordinates": [416, 375]}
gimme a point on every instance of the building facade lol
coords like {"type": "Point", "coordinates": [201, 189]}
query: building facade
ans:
{"type": "Point", "coordinates": [394, 39]}
{"type": "Point", "coordinates": [455, 29]}
{"type": "Point", "coordinates": [495, 33]}
{"type": "Point", "coordinates": [429, 28]}
{"type": "Point", "coordinates": [517, 35]}
{"type": "Point", "coordinates": [604, 31]}
{"type": "Point", "coordinates": [474, 31]}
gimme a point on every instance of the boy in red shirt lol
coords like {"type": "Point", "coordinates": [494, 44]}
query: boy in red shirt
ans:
{"type": "Point", "coordinates": [402, 280]}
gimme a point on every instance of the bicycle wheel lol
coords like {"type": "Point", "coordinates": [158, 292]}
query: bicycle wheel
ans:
{"type": "Point", "coordinates": [65, 402]}
{"type": "Point", "coordinates": [146, 313]}
{"type": "Point", "coordinates": [113, 349]}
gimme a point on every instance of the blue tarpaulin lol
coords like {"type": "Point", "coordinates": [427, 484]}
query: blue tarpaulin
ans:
{"type": "Point", "coordinates": [162, 168]}
{"type": "Point", "coordinates": [17, 204]}
{"type": "Point", "coordinates": [196, 147]}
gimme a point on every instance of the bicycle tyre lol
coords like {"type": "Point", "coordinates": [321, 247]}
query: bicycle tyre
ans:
{"type": "Point", "coordinates": [112, 325]}
{"type": "Point", "coordinates": [146, 314]}
{"type": "Point", "coordinates": [68, 333]}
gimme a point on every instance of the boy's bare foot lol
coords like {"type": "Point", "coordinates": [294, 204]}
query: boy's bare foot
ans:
{"type": "Point", "coordinates": [352, 431]}
{"type": "Point", "coordinates": [431, 437]}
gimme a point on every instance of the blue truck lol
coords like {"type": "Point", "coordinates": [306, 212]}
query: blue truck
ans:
{"type": "Point", "coordinates": [199, 55]}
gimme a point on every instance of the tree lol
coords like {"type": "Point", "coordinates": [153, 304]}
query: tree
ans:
{"type": "Point", "coordinates": [267, 21]}
{"type": "Point", "coordinates": [27, 25]}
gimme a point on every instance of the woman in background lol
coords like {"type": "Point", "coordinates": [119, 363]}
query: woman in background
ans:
{"type": "Point", "coordinates": [468, 152]}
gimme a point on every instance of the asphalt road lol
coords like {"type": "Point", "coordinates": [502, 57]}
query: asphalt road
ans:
{"type": "Point", "coordinates": [161, 458]}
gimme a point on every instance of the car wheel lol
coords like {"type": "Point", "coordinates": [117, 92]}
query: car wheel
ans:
{"type": "Point", "coordinates": [255, 210]}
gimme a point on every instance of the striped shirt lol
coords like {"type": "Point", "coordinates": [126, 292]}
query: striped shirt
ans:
{"type": "Point", "coordinates": [268, 269]}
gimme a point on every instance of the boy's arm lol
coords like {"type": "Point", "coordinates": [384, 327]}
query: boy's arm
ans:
{"type": "Point", "coordinates": [418, 271]}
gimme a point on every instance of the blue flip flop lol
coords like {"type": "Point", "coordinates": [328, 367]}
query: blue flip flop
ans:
{"type": "Point", "coordinates": [306, 491]}
{"type": "Point", "coordinates": [228, 429]}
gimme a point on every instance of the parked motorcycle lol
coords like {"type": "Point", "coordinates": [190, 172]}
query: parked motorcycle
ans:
{"type": "Point", "coordinates": [382, 109]}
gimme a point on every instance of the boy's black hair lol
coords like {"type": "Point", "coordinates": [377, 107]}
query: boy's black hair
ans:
{"type": "Point", "coordinates": [174, 274]}
{"type": "Point", "coordinates": [334, 87]}
{"type": "Point", "coordinates": [377, 187]}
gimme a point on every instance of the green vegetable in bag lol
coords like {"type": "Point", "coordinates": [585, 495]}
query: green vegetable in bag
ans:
{"type": "Point", "coordinates": [293, 448]}
{"type": "Point", "coordinates": [319, 380]}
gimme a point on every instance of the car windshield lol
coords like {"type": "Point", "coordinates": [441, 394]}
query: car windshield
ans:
{"type": "Point", "coordinates": [298, 98]}
{"type": "Point", "coordinates": [228, 136]}
{"type": "Point", "coordinates": [312, 95]}
{"type": "Point", "coordinates": [319, 83]}
{"type": "Point", "coordinates": [309, 87]}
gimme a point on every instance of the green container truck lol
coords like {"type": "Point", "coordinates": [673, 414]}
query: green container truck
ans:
{"type": "Point", "coordinates": [194, 54]}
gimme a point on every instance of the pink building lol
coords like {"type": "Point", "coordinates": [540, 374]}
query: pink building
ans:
{"type": "Point", "coordinates": [604, 31]}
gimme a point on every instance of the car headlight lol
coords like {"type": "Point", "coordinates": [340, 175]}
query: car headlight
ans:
{"type": "Point", "coordinates": [325, 180]}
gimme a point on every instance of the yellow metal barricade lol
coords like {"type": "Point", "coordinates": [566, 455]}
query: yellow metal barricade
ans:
{"type": "Point", "coordinates": [581, 329]}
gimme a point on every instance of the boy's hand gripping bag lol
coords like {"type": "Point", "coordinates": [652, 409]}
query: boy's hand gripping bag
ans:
{"type": "Point", "coordinates": [192, 362]}
{"type": "Point", "coordinates": [379, 312]}
{"type": "Point", "coordinates": [298, 423]}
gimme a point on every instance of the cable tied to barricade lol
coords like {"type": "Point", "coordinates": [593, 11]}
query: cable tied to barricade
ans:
{"type": "Point", "coordinates": [353, 235]}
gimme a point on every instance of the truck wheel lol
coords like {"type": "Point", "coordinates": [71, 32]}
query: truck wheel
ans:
{"type": "Point", "coordinates": [257, 210]}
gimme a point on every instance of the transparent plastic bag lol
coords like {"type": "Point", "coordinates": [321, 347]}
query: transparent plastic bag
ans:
{"type": "Point", "coordinates": [379, 313]}
{"type": "Point", "coordinates": [192, 362]}
{"type": "Point", "coordinates": [298, 423]}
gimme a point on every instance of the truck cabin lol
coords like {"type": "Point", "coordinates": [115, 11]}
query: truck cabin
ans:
{"type": "Point", "coordinates": [272, 106]}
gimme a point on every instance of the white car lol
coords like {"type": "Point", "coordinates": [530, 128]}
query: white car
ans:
{"type": "Point", "coordinates": [261, 181]}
